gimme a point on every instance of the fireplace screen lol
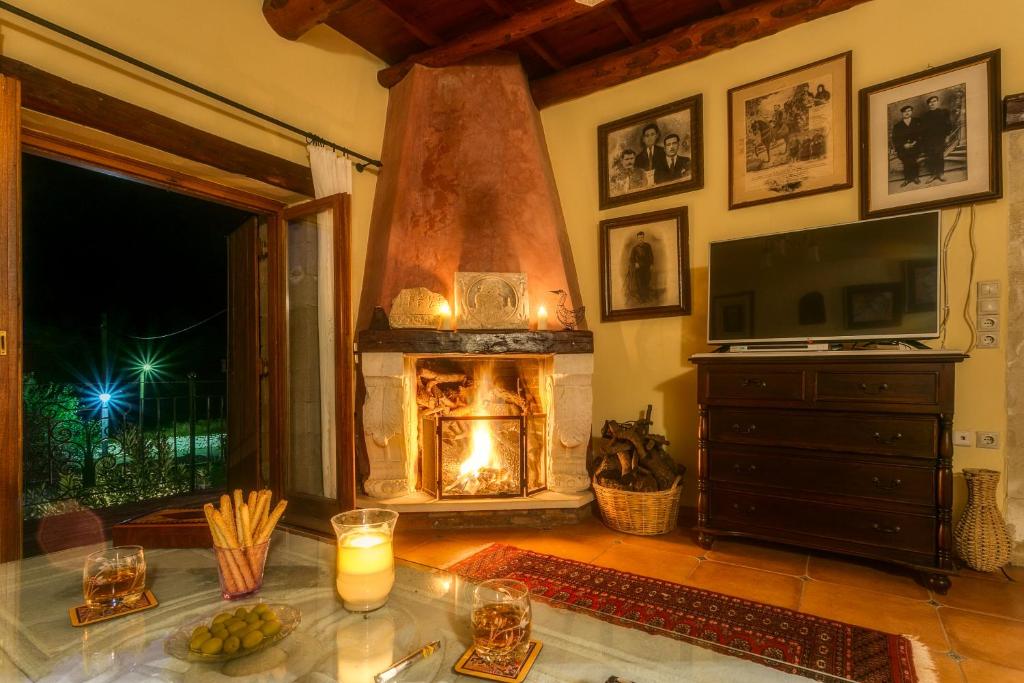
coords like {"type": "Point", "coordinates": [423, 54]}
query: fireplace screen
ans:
{"type": "Point", "coordinates": [485, 456]}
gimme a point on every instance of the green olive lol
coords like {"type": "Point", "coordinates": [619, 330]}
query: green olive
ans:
{"type": "Point", "coordinates": [252, 618]}
{"type": "Point", "coordinates": [237, 627]}
{"type": "Point", "coordinates": [219, 632]}
{"type": "Point", "coordinates": [223, 616]}
{"type": "Point", "coordinates": [231, 645]}
{"type": "Point", "coordinates": [271, 615]}
{"type": "Point", "coordinates": [199, 630]}
{"type": "Point", "coordinates": [252, 639]}
{"type": "Point", "coordinates": [270, 629]}
{"type": "Point", "coordinates": [241, 613]}
{"type": "Point", "coordinates": [212, 646]}
{"type": "Point", "coordinates": [198, 640]}
{"type": "Point", "coordinates": [261, 609]}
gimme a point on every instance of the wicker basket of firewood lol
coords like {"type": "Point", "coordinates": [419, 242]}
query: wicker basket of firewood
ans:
{"type": "Point", "coordinates": [636, 482]}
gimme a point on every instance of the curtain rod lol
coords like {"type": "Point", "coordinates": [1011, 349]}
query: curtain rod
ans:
{"type": "Point", "coordinates": [309, 137]}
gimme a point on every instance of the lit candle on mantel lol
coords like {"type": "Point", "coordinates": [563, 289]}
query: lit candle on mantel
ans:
{"type": "Point", "coordinates": [366, 570]}
{"type": "Point", "coordinates": [542, 318]}
{"type": "Point", "coordinates": [446, 316]}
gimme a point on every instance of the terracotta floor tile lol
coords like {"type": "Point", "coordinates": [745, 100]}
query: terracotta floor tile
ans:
{"type": "Point", "coordinates": [1002, 598]}
{"type": "Point", "coordinates": [990, 576]}
{"type": "Point", "coordinates": [947, 668]}
{"type": "Point", "coordinates": [863, 574]}
{"type": "Point", "coordinates": [980, 636]}
{"type": "Point", "coordinates": [881, 611]}
{"type": "Point", "coordinates": [440, 552]}
{"type": "Point", "coordinates": [743, 582]}
{"type": "Point", "coordinates": [678, 541]}
{"type": "Point", "coordinates": [980, 671]}
{"type": "Point", "coordinates": [581, 549]}
{"type": "Point", "coordinates": [653, 562]}
{"type": "Point", "coordinates": [759, 556]}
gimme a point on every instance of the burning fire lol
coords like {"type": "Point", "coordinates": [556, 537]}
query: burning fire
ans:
{"type": "Point", "coordinates": [481, 470]}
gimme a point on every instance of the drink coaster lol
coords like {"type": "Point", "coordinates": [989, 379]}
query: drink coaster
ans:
{"type": "Point", "coordinates": [472, 664]}
{"type": "Point", "coordinates": [84, 615]}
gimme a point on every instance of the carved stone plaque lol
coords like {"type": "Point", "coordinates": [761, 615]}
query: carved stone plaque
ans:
{"type": "Point", "coordinates": [417, 307]}
{"type": "Point", "coordinates": [491, 301]}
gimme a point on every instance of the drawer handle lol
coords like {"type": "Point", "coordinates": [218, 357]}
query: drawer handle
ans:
{"type": "Point", "coordinates": [753, 382]}
{"type": "Point", "coordinates": [749, 429]}
{"type": "Point", "coordinates": [749, 468]}
{"type": "Point", "coordinates": [894, 484]}
{"type": "Point", "coordinates": [744, 508]}
{"type": "Point", "coordinates": [886, 529]}
{"type": "Point", "coordinates": [887, 441]}
{"type": "Point", "coordinates": [874, 388]}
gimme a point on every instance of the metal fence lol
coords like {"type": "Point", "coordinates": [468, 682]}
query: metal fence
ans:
{"type": "Point", "coordinates": [86, 448]}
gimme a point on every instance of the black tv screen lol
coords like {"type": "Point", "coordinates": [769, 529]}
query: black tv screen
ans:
{"type": "Point", "coordinates": [876, 279]}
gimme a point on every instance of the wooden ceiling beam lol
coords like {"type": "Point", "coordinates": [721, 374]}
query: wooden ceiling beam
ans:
{"type": "Point", "coordinates": [422, 33]}
{"type": "Point", "coordinates": [681, 45]}
{"type": "Point", "coordinates": [625, 24]}
{"type": "Point", "coordinates": [517, 27]}
{"type": "Point", "coordinates": [292, 18]}
{"type": "Point", "coordinates": [48, 94]}
{"type": "Point", "coordinates": [499, 8]}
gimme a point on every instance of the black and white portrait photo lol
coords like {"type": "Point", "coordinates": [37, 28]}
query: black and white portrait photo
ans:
{"type": "Point", "coordinates": [651, 154]}
{"type": "Point", "coordinates": [929, 139]}
{"type": "Point", "coordinates": [1013, 112]}
{"type": "Point", "coordinates": [644, 266]}
{"type": "Point", "coordinates": [790, 134]}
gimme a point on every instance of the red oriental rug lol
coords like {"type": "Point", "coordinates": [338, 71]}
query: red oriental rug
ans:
{"type": "Point", "coordinates": [713, 619]}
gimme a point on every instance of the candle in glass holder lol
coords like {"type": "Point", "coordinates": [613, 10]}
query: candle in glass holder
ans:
{"type": "Point", "coordinates": [542, 318]}
{"type": "Point", "coordinates": [446, 316]}
{"type": "Point", "coordinates": [366, 570]}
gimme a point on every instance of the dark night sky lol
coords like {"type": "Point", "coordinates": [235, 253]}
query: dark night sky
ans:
{"type": "Point", "coordinates": [153, 260]}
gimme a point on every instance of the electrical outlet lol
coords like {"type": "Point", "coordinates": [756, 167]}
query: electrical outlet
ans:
{"type": "Point", "coordinates": [987, 440]}
{"type": "Point", "coordinates": [963, 438]}
{"type": "Point", "coordinates": [987, 340]}
{"type": "Point", "coordinates": [988, 323]}
{"type": "Point", "coordinates": [988, 288]}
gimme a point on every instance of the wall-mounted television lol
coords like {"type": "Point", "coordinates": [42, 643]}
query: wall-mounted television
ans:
{"type": "Point", "coordinates": [876, 279]}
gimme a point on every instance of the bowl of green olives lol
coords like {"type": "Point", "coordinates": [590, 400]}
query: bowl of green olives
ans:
{"type": "Point", "coordinates": [232, 633]}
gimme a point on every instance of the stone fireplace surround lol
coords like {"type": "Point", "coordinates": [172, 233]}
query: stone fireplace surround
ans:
{"type": "Point", "coordinates": [390, 417]}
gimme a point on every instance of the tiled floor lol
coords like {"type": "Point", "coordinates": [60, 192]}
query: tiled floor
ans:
{"type": "Point", "coordinates": [975, 633]}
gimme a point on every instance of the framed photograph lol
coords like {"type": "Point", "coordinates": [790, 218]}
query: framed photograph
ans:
{"type": "Point", "coordinates": [1013, 111]}
{"type": "Point", "coordinates": [922, 291]}
{"type": "Point", "coordinates": [875, 305]}
{"type": "Point", "coordinates": [930, 139]}
{"type": "Point", "coordinates": [733, 315]}
{"type": "Point", "coordinates": [790, 134]}
{"type": "Point", "coordinates": [651, 154]}
{"type": "Point", "coordinates": [645, 266]}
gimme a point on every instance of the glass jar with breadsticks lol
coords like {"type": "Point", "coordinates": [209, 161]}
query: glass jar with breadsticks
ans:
{"type": "Point", "coordinates": [241, 530]}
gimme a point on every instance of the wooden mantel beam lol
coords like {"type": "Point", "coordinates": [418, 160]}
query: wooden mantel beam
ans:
{"type": "Point", "coordinates": [516, 27]}
{"type": "Point", "coordinates": [292, 18]}
{"type": "Point", "coordinates": [684, 44]}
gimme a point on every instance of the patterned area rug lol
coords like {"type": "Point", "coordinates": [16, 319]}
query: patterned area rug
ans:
{"type": "Point", "coordinates": [788, 637]}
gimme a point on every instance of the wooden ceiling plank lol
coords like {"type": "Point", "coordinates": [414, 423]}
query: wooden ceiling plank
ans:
{"type": "Point", "coordinates": [625, 24]}
{"type": "Point", "coordinates": [292, 18]}
{"type": "Point", "coordinates": [499, 8]}
{"type": "Point", "coordinates": [681, 45]}
{"type": "Point", "coordinates": [422, 33]}
{"type": "Point", "coordinates": [48, 94]}
{"type": "Point", "coordinates": [727, 5]}
{"type": "Point", "coordinates": [519, 26]}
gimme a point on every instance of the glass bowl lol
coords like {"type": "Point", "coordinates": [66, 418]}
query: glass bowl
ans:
{"type": "Point", "coordinates": [176, 644]}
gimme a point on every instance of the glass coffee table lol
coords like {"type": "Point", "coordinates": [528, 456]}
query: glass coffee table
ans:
{"type": "Point", "coordinates": [37, 641]}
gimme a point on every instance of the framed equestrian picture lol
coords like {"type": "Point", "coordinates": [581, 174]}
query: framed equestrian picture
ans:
{"type": "Point", "coordinates": [645, 266]}
{"type": "Point", "coordinates": [931, 139]}
{"type": "Point", "coordinates": [651, 154]}
{"type": "Point", "coordinates": [790, 134]}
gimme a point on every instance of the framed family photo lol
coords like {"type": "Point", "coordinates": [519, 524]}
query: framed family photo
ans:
{"type": "Point", "coordinates": [651, 154]}
{"type": "Point", "coordinates": [1013, 111]}
{"type": "Point", "coordinates": [790, 134]}
{"type": "Point", "coordinates": [645, 266]}
{"type": "Point", "coordinates": [930, 139]}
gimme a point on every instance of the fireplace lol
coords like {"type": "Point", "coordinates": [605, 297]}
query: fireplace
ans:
{"type": "Point", "coordinates": [476, 420]}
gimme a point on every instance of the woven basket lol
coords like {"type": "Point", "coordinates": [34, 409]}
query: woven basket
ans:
{"type": "Point", "coordinates": [643, 514]}
{"type": "Point", "coordinates": [981, 537]}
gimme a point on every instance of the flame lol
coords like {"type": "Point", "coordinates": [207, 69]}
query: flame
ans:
{"type": "Point", "coordinates": [481, 455]}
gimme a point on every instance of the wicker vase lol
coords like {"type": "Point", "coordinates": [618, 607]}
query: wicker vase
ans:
{"type": "Point", "coordinates": [981, 537]}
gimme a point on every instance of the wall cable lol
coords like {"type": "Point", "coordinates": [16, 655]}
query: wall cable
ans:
{"type": "Point", "coordinates": [970, 286]}
{"type": "Point", "coordinates": [181, 331]}
{"type": "Point", "coordinates": [946, 241]}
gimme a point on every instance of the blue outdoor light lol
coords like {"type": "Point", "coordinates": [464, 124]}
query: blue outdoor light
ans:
{"type": "Point", "coordinates": [104, 398]}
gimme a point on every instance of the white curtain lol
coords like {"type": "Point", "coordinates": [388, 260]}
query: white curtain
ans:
{"type": "Point", "coordinates": [332, 174]}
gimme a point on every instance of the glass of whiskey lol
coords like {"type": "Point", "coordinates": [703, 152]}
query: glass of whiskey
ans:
{"type": "Point", "coordinates": [501, 618]}
{"type": "Point", "coordinates": [114, 576]}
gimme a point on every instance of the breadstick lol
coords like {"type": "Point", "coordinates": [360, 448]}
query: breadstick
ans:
{"type": "Point", "coordinates": [237, 501]}
{"type": "Point", "coordinates": [246, 526]}
{"type": "Point", "coordinates": [226, 512]}
{"type": "Point", "coordinates": [252, 500]}
{"type": "Point", "coordinates": [229, 570]}
{"type": "Point", "coordinates": [230, 540]}
{"type": "Point", "coordinates": [268, 528]}
{"type": "Point", "coordinates": [262, 509]}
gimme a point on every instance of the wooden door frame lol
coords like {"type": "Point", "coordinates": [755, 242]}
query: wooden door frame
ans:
{"type": "Point", "coordinates": [339, 205]}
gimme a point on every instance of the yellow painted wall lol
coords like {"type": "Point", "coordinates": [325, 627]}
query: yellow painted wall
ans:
{"type": "Point", "coordinates": [323, 83]}
{"type": "Point", "coordinates": [645, 361]}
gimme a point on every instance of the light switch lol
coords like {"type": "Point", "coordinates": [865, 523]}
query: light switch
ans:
{"type": "Point", "coordinates": [988, 288]}
{"type": "Point", "coordinates": [988, 305]}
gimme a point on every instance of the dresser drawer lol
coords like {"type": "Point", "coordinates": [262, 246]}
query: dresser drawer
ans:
{"type": "Point", "coordinates": [880, 481]}
{"type": "Point", "coordinates": [877, 387]}
{"type": "Point", "coordinates": [911, 533]}
{"type": "Point", "coordinates": [755, 383]}
{"type": "Point", "coordinates": [899, 435]}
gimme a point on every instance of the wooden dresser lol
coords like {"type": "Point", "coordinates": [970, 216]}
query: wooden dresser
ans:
{"type": "Point", "coordinates": [844, 451]}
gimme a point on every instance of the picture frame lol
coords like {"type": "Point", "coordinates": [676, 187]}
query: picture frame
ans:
{"type": "Point", "coordinates": [873, 305]}
{"type": "Point", "coordinates": [629, 170]}
{"type": "Point", "coordinates": [1013, 111]}
{"type": "Point", "coordinates": [931, 139]}
{"type": "Point", "coordinates": [645, 266]}
{"type": "Point", "coordinates": [732, 315]}
{"type": "Point", "coordinates": [791, 134]}
{"type": "Point", "coordinates": [921, 291]}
